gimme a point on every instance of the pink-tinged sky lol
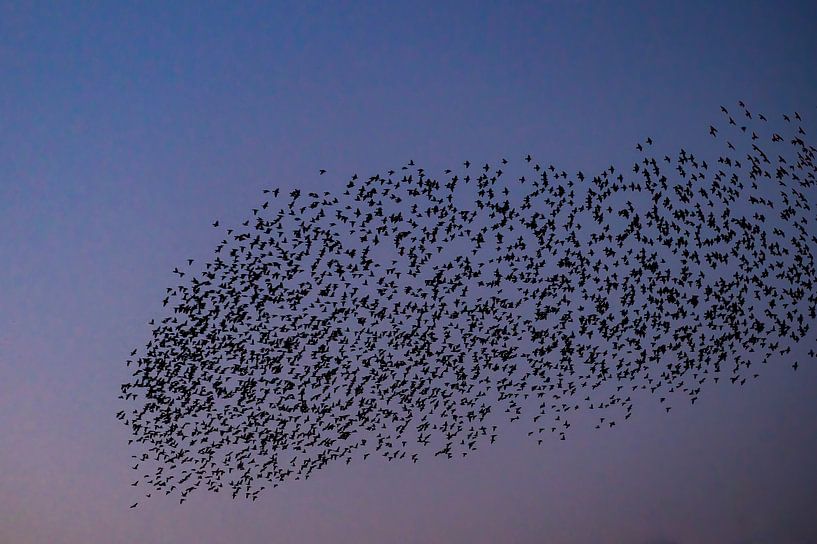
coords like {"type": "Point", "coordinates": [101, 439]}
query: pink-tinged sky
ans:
{"type": "Point", "coordinates": [126, 130]}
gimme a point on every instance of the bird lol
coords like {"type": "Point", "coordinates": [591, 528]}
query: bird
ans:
{"type": "Point", "coordinates": [410, 315]}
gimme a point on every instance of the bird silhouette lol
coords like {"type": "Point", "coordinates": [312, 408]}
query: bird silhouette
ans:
{"type": "Point", "coordinates": [406, 314]}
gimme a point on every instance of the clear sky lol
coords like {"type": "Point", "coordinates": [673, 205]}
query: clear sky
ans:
{"type": "Point", "coordinates": [125, 130]}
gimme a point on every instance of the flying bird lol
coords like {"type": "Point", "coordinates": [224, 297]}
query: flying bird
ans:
{"type": "Point", "coordinates": [406, 315]}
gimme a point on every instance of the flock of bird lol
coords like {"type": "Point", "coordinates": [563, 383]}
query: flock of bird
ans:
{"type": "Point", "coordinates": [408, 314]}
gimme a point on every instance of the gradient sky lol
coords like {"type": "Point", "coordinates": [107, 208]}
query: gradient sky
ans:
{"type": "Point", "coordinates": [126, 130]}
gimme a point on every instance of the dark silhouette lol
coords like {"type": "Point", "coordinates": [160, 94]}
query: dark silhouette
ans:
{"type": "Point", "coordinates": [410, 314]}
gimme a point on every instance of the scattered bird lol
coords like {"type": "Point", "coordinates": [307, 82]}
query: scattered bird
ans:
{"type": "Point", "coordinates": [409, 314]}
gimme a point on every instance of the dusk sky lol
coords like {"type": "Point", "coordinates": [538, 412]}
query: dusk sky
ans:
{"type": "Point", "coordinates": [128, 128]}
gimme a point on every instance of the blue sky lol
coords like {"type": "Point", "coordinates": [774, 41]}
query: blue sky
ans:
{"type": "Point", "coordinates": [127, 128]}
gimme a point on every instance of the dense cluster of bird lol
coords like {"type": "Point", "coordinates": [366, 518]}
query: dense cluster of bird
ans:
{"type": "Point", "coordinates": [407, 314]}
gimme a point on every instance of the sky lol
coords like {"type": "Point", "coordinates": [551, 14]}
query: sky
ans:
{"type": "Point", "coordinates": [128, 128]}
